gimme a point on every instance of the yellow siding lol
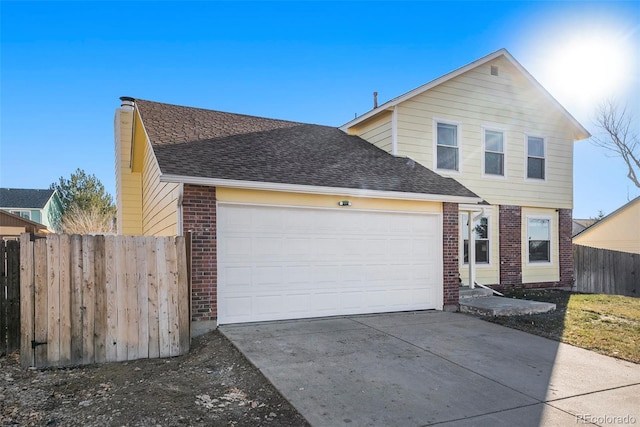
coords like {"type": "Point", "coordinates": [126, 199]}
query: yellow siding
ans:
{"type": "Point", "coordinates": [376, 130]}
{"type": "Point", "coordinates": [128, 183]}
{"type": "Point", "coordinates": [486, 274]}
{"type": "Point", "coordinates": [508, 102]}
{"type": "Point", "coordinates": [540, 272]}
{"type": "Point", "coordinates": [619, 232]}
{"type": "Point", "coordinates": [322, 201]}
{"type": "Point", "coordinates": [159, 199]}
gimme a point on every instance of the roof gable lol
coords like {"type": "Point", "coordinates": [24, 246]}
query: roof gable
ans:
{"type": "Point", "coordinates": [10, 220]}
{"type": "Point", "coordinates": [579, 131]}
{"type": "Point", "coordinates": [234, 147]}
{"type": "Point", "coordinates": [22, 198]}
{"type": "Point", "coordinates": [633, 204]}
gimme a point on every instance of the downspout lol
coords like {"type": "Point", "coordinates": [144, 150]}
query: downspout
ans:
{"type": "Point", "coordinates": [180, 232]}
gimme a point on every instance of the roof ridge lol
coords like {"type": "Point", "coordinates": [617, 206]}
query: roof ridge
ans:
{"type": "Point", "coordinates": [27, 189]}
{"type": "Point", "coordinates": [222, 112]}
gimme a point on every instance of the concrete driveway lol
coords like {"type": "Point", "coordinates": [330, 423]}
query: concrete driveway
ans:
{"type": "Point", "coordinates": [428, 367]}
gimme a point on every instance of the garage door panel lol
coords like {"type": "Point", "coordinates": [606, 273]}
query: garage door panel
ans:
{"type": "Point", "coordinates": [283, 263]}
{"type": "Point", "coordinates": [237, 276]}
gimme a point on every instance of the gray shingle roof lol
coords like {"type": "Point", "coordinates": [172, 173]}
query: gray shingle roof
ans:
{"type": "Point", "coordinates": [200, 143]}
{"type": "Point", "coordinates": [24, 198]}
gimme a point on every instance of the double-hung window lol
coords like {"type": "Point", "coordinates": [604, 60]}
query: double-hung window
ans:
{"type": "Point", "coordinates": [539, 237]}
{"type": "Point", "coordinates": [448, 155]}
{"type": "Point", "coordinates": [493, 152]}
{"type": "Point", "coordinates": [535, 157]}
{"type": "Point", "coordinates": [481, 235]}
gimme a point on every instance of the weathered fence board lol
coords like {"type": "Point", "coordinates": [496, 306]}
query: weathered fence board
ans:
{"type": "Point", "coordinates": [605, 271]}
{"type": "Point", "coordinates": [91, 299]}
{"type": "Point", "coordinates": [27, 281]}
{"type": "Point", "coordinates": [9, 296]}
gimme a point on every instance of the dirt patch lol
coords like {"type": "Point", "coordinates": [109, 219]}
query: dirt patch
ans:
{"type": "Point", "coordinates": [213, 385]}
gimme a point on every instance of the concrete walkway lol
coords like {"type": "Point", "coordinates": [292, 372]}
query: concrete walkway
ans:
{"type": "Point", "coordinates": [425, 368]}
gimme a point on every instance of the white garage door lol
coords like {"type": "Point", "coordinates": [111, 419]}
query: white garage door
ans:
{"type": "Point", "coordinates": [288, 263]}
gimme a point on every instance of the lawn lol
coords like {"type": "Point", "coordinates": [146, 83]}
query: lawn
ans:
{"type": "Point", "coordinates": [607, 324]}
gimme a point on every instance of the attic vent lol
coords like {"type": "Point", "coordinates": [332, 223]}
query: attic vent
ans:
{"type": "Point", "coordinates": [494, 70]}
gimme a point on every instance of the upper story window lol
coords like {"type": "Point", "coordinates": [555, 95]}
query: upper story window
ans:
{"type": "Point", "coordinates": [23, 214]}
{"type": "Point", "coordinates": [481, 236]}
{"type": "Point", "coordinates": [539, 237]}
{"type": "Point", "coordinates": [448, 155]}
{"type": "Point", "coordinates": [535, 157]}
{"type": "Point", "coordinates": [493, 152]}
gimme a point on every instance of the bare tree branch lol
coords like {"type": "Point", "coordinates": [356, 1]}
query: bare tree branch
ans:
{"type": "Point", "coordinates": [619, 137]}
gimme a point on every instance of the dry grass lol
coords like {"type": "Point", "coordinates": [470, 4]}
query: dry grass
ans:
{"type": "Point", "coordinates": [607, 324]}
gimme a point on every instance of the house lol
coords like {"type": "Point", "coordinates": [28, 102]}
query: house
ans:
{"type": "Point", "coordinates": [581, 224]}
{"type": "Point", "coordinates": [11, 226]}
{"type": "Point", "coordinates": [618, 231]}
{"type": "Point", "coordinates": [40, 206]}
{"type": "Point", "coordinates": [293, 220]}
{"type": "Point", "coordinates": [495, 129]}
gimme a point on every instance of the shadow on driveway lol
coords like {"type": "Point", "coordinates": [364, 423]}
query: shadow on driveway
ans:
{"type": "Point", "coordinates": [431, 367]}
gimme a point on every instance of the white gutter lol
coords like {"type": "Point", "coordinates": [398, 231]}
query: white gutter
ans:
{"type": "Point", "coordinates": [312, 189]}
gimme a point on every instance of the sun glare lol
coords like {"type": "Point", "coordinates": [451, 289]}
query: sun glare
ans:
{"type": "Point", "coordinates": [590, 68]}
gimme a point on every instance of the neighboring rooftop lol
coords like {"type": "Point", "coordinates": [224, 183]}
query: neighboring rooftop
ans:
{"type": "Point", "coordinates": [581, 224]}
{"type": "Point", "coordinates": [23, 198]}
{"type": "Point", "coordinates": [192, 142]}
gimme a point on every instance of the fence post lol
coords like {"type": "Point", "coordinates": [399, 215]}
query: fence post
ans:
{"type": "Point", "coordinates": [3, 286]}
{"type": "Point", "coordinates": [26, 300]}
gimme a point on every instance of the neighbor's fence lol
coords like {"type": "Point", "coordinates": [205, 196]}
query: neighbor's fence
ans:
{"type": "Point", "coordinates": [92, 299]}
{"type": "Point", "coordinates": [604, 271]}
{"type": "Point", "coordinates": [9, 296]}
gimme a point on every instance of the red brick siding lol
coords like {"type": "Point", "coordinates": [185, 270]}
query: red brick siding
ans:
{"type": "Point", "coordinates": [510, 220]}
{"type": "Point", "coordinates": [565, 222]}
{"type": "Point", "coordinates": [511, 252]}
{"type": "Point", "coordinates": [451, 269]}
{"type": "Point", "coordinates": [199, 218]}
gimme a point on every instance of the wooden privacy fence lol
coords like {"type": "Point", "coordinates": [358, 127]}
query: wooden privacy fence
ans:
{"type": "Point", "coordinates": [93, 299]}
{"type": "Point", "coordinates": [9, 296]}
{"type": "Point", "coordinates": [602, 271]}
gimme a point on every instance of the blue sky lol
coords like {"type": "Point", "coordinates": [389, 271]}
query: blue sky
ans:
{"type": "Point", "coordinates": [65, 64]}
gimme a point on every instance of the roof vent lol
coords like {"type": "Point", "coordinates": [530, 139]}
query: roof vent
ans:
{"type": "Point", "coordinates": [375, 100]}
{"type": "Point", "coordinates": [127, 103]}
{"type": "Point", "coordinates": [494, 70]}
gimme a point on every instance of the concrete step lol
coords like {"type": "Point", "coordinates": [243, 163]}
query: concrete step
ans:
{"type": "Point", "coordinates": [466, 292]}
{"type": "Point", "coordinates": [501, 306]}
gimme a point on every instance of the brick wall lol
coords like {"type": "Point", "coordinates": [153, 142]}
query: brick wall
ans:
{"type": "Point", "coordinates": [199, 218]}
{"type": "Point", "coordinates": [451, 267]}
{"type": "Point", "coordinates": [565, 222]}
{"type": "Point", "coordinates": [511, 253]}
{"type": "Point", "coordinates": [510, 221]}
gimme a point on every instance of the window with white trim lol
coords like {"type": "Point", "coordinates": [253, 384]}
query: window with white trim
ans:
{"type": "Point", "coordinates": [493, 152]}
{"type": "Point", "coordinates": [482, 241]}
{"type": "Point", "coordinates": [535, 157]}
{"type": "Point", "coordinates": [448, 156]}
{"type": "Point", "coordinates": [539, 239]}
{"type": "Point", "coordinates": [23, 214]}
